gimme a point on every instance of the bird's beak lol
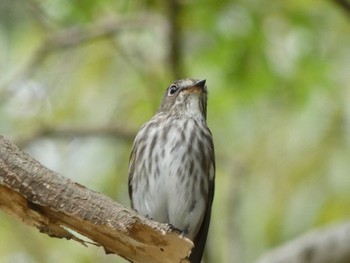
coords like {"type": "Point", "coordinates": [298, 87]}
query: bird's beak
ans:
{"type": "Point", "coordinates": [199, 86]}
{"type": "Point", "coordinates": [200, 83]}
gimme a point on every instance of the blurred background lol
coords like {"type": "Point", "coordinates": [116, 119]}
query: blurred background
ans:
{"type": "Point", "coordinates": [77, 80]}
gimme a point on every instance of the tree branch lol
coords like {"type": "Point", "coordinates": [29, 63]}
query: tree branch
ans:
{"type": "Point", "coordinates": [175, 38]}
{"type": "Point", "coordinates": [344, 4]}
{"type": "Point", "coordinates": [326, 245]}
{"type": "Point", "coordinates": [115, 132]}
{"type": "Point", "coordinates": [72, 37]}
{"type": "Point", "coordinates": [55, 205]}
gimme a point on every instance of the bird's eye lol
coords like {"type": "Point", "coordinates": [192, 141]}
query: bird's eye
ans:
{"type": "Point", "coordinates": [172, 90]}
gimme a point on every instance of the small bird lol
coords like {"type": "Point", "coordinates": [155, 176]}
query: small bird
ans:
{"type": "Point", "coordinates": [172, 164]}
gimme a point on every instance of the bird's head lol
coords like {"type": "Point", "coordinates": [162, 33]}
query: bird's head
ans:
{"type": "Point", "coordinates": [185, 97]}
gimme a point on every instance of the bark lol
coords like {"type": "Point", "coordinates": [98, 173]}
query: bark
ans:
{"type": "Point", "coordinates": [55, 205]}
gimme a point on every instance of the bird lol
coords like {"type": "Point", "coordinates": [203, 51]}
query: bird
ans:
{"type": "Point", "coordinates": [172, 164]}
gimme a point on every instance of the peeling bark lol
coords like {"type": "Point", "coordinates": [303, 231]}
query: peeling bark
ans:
{"type": "Point", "coordinates": [55, 205]}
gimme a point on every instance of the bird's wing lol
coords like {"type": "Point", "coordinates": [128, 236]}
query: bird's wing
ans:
{"type": "Point", "coordinates": [201, 237]}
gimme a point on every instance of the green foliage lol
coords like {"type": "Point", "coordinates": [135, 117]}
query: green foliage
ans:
{"type": "Point", "coordinates": [277, 73]}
